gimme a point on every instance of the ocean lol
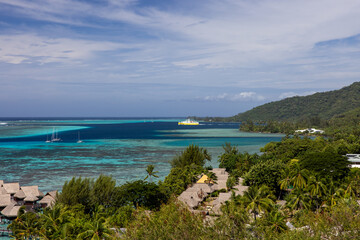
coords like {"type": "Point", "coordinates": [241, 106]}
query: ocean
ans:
{"type": "Point", "coordinates": [121, 148]}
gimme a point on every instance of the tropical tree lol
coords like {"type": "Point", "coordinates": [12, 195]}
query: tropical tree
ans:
{"type": "Point", "coordinates": [150, 172]}
{"type": "Point", "coordinates": [258, 199]}
{"type": "Point", "coordinates": [298, 199]}
{"type": "Point", "coordinates": [193, 154]}
{"type": "Point", "coordinates": [54, 222]}
{"type": "Point", "coordinates": [276, 220]}
{"type": "Point", "coordinates": [96, 229]}
{"type": "Point", "coordinates": [267, 173]}
{"type": "Point", "coordinates": [25, 226]}
{"type": "Point", "coordinates": [317, 189]}
{"type": "Point", "coordinates": [299, 176]}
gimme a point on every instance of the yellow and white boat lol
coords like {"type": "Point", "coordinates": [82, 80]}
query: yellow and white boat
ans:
{"type": "Point", "coordinates": [188, 122]}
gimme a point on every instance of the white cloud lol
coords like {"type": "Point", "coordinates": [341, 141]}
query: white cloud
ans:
{"type": "Point", "coordinates": [32, 48]}
{"type": "Point", "coordinates": [243, 96]}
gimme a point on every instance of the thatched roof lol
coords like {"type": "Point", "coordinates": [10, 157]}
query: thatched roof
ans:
{"type": "Point", "coordinates": [240, 189]}
{"type": "Point", "coordinates": [191, 202]}
{"type": "Point", "coordinates": [222, 177]}
{"type": "Point", "coordinates": [48, 200]}
{"type": "Point", "coordinates": [32, 191]}
{"type": "Point", "coordinates": [219, 171]}
{"type": "Point", "coordinates": [5, 199]}
{"type": "Point", "coordinates": [20, 194]}
{"type": "Point", "coordinates": [192, 199]}
{"type": "Point", "coordinates": [220, 184]}
{"type": "Point", "coordinates": [52, 193]}
{"type": "Point", "coordinates": [11, 188]}
{"type": "Point", "coordinates": [31, 198]}
{"type": "Point", "coordinates": [223, 197]}
{"type": "Point", "coordinates": [203, 186]}
{"type": "Point", "coordinates": [3, 190]}
{"type": "Point", "coordinates": [10, 210]}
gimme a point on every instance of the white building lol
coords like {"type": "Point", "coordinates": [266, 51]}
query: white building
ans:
{"type": "Point", "coordinates": [310, 130]}
{"type": "Point", "coordinates": [354, 159]}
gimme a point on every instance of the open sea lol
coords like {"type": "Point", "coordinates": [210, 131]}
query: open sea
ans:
{"type": "Point", "coordinates": [118, 147]}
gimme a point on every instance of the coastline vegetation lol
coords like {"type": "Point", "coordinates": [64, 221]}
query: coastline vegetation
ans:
{"type": "Point", "coordinates": [299, 188]}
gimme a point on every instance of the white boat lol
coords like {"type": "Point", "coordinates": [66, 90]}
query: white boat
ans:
{"type": "Point", "coordinates": [79, 141]}
{"type": "Point", "coordinates": [47, 139]}
{"type": "Point", "coordinates": [55, 136]}
{"type": "Point", "coordinates": [188, 122]}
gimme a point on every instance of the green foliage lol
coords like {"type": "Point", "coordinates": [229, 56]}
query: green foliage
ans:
{"type": "Point", "coordinates": [141, 194]}
{"type": "Point", "coordinates": [314, 107]}
{"type": "Point", "coordinates": [122, 216]}
{"type": "Point", "coordinates": [326, 164]}
{"type": "Point", "coordinates": [267, 173]}
{"type": "Point", "coordinates": [25, 226]}
{"type": "Point", "coordinates": [193, 154]}
{"type": "Point", "coordinates": [258, 200]}
{"type": "Point", "coordinates": [235, 162]}
{"type": "Point", "coordinates": [173, 221]}
{"type": "Point", "coordinates": [232, 223]}
{"type": "Point", "coordinates": [180, 178]}
{"type": "Point", "coordinates": [274, 221]}
{"type": "Point", "coordinates": [150, 172]}
{"type": "Point", "coordinates": [76, 191]}
{"type": "Point", "coordinates": [102, 191]}
{"type": "Point", "coordinates": [290, 148]}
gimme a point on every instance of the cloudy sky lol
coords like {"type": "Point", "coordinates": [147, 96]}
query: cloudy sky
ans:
{"type": "Point", "coordinates": [134, 58]}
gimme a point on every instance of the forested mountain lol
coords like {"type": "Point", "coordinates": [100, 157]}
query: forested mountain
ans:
{"type": "Point", "coordinates": [323, 105]}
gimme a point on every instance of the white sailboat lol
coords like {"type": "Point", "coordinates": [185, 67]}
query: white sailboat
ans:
{"type": "Point", "coordinates": [79, 140]}
{"type": "Point", "coordinates": [55, 136]}
{"type": "Point", "coordinates": [47, 139]}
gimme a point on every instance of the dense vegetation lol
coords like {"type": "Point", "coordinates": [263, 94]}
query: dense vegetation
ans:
{"type": "Point", "coordinates": [311, 175]}
{"type": "Point", "coordinates": [324, 105]}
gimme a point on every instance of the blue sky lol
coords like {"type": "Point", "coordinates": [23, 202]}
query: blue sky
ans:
{"type": "Point", "coordinates": [126, 58]}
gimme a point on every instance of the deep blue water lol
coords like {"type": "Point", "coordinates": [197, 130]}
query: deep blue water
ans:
{"type": "Point", "coordinates": [118, 147]}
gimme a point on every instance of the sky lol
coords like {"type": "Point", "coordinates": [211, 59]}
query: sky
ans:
{"type": "Point", "coordinates": [167, 58]}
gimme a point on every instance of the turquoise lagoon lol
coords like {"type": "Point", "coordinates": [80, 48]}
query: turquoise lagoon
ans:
{"type": "Point", "coordinates": [118, 147]}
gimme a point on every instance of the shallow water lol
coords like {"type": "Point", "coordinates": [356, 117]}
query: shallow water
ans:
{"type": "Point", "coordinates": [118, 147]}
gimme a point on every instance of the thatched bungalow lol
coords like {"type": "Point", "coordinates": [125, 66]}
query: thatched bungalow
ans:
{"type": "Point", "coordinates": [222, 177]}
{"type": "Point", "coordinates": [192, 199]}
{"type": "Point", "coordinates": [203, 187]}
{"type": "Point", "coordinates": [48, 200]}
{"type": "Point", "coordinates": [10, 211]}
{"type": "Point", "coordinates": [239, 189]}
{"type": "Point", "coordinates": [11, 188]}
{"type": "Point", "coordinates": [12, 197]}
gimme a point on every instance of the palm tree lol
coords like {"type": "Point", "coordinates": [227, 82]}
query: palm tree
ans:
{"type": "Point", "coordinates": [285, 182]}
{"type": "Point", "coordinates": [25, 226]}
{"type": "Point", "coordinates": [258, 200]}
{"type": "Point", "coordinates": [317, 189]}
{"type": "Point", "coordinates": [150, 171]}
{"type": "Point", "coordinates": [335, 196]}
{"type": "Point", "coordinates": [96, 230]}
{"type": "Point", "coordinates": [299, 177]}
{"type": "Point", "coordinates": [351, 190]}
{"type": "Point", "coordinates": [54, 222]}
{"type": "Point", "coordinates": [277, 221]}
{"type": "Point", "coordinates": [298, 199]}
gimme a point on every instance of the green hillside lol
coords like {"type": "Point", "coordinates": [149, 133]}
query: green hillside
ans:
{"type": "Point", "coordinates": [323, 105]}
